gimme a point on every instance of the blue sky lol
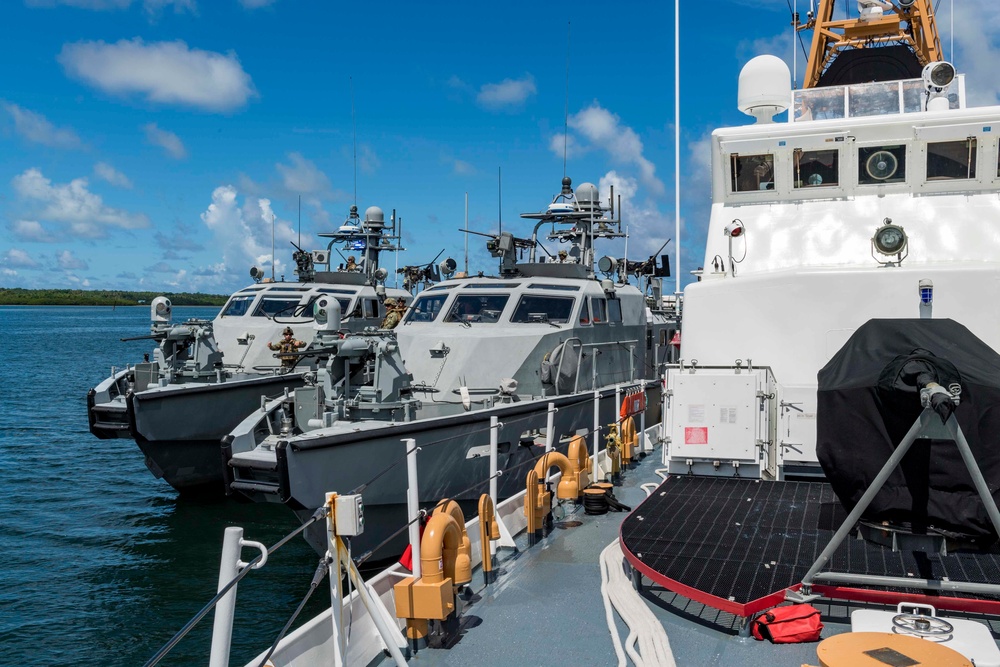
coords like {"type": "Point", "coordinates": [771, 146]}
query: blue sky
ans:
{"type": "Point", "coordinates": [145, 144]}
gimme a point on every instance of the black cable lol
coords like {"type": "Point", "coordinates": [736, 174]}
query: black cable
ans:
{"type": "Point", "coordinates": [318, 576]}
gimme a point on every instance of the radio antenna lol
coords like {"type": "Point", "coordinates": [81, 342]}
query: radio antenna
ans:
{"type": "Point", "coordinates": [300, 221]}
{"type": "Point", "coordinates": [566, 110]}
{"type": "Point", "coordinates": [354, 124]}
{"type": "Point", "coordinates": [500, 200]}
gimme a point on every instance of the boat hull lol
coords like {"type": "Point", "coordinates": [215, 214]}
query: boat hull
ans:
{"type": "Point", "coordinates": [179, 428]}
{"type": "Point", "coordinates": [453, 461]}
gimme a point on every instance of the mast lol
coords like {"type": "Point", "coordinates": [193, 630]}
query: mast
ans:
{"type": "Point", "coordinates": [907, 23]}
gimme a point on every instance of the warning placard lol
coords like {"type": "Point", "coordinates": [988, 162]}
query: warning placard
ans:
{"type": "Point", "coordinates": [696, 435]}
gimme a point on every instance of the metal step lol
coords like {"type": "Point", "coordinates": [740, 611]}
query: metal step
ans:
{"type": "Point", "coordinates": [111, 426]}
{"type": "Point", "coordinates": [254, 486]}
{"type": "Point", "coordinates": [248, 463]}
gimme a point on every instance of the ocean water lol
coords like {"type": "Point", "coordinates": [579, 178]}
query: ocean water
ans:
{"type": "Point", "coordinates": [101, 562]}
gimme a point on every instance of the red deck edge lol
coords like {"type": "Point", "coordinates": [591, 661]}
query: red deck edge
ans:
{"type": "Point", "coordinates": [742, 609]}
{"type": "Point", "coordinates": [891, 598]}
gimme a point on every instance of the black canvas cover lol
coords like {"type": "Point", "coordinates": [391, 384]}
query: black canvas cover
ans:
{"type": "Point", "coordinates": [869, 398]}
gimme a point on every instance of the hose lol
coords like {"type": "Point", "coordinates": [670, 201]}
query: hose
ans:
{"type": "Point", "coordinates": [645, 629]}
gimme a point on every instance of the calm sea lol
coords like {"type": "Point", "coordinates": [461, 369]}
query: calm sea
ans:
{"type": "Point", "coordinates": [102, 563]}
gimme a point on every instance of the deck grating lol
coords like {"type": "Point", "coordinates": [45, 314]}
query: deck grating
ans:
{"type": "Point", "coordinates": [741, 540]}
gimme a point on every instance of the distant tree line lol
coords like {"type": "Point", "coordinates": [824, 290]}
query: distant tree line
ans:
{"type": "Point", "coordinates": [75, 297]}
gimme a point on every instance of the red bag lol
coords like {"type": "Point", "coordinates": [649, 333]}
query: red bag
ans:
{"type": "Point", "coordinates": [788, 625]}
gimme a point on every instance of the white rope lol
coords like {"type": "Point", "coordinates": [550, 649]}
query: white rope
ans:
{"type": "Point", "coordinates": [644, 628]}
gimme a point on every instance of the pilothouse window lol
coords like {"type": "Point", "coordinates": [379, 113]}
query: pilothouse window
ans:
{"type": "Point", "coordinates": [751, 173]}
{"type": "Point", "coordinates": [477, 308]}
{"type": "Point", "coordinates": [426, 308]}
{"type": "Point", "coordinates": [881, 164]}
{"type": "Point", "coordinates": [951, 160]}
{"type": "Point", "coordinates": [276, 307]}
{"type": "Point", "coordinates": [553, 309]}
{"type": "Point", "coordinates": [237, 306]}
{"type": "Point", "coordinates": [816, 168]}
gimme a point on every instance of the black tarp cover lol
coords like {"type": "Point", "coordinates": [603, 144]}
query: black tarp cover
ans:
{"type": "Point", "coordinates": [868, 400]}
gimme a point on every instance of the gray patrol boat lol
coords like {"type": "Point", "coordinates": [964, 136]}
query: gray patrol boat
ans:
{"type": "Point", "coordinates": [204, 376]}
{"type": "Point", "coordinates": [542, 338]}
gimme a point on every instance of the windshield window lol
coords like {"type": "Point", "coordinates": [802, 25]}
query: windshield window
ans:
{"type": "Point", "coordinates": [237, 306]}
{"type": "Point", "coordinates": [585, 313]}
{"type": "Point", "coordinates": [600, 314]}
{"type": "Point", "coordinates": [426, 308]}
{"type": "Point", "coordinates": [615, 310]}
{"type": "Point", "coordinates": [554, 309]}
{"type": "Point", "coordinates": [477, 308]}
{"type": "Point", "coordinates": [951, 159]}
{"type": "Point", "coordinates": [269, 307]}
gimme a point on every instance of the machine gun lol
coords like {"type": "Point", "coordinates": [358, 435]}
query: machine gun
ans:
{"type": "Point", "coordinates": [416, 274]}
{"type": "Point", "coordinates": [505, 246]}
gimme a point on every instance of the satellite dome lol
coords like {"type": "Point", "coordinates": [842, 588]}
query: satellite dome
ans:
{"type": "Point", "coordinates": [587, 193]}
{"type": "Point", "coordinates": [765, 88]}
{"type": "Point", "coordinates": [374, 214]}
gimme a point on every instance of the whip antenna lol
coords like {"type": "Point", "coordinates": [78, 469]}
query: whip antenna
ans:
{"type": "Point", "coordinates": [566, 110]}
{"type": "Point", "coordinates": [354, 124]}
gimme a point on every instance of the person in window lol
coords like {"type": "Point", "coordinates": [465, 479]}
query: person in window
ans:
{"type": "Point", "coordinates": [393, 313]}
{"type": "Point", "coordinates": [352, 264]}
{"type": "Point", "coordinates": [287, 345]}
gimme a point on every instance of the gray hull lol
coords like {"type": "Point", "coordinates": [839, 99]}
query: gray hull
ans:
{"type": "Point", "coordinates": [453, 461]}
{"type": "Point", "coordinates": [179, 429]}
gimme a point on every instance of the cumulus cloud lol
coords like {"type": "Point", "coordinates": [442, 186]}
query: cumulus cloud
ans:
{"type": "Point", "coordinates": [106, 172]}
{"type": "Point", "coordinates": [604, 130]}
{"type": "Point", "coordinates": [303, 177]}
{"type": "Point", "coordinates": [183, 239]}
{"type": "Point", "coordinates": [36, 128]}
{"type": "Point", "coordinates": [977, 48]}
{"type": "Point", "coordinates": [463, 168]}
{"type": "Point", "coordinates": [31, 230]}
{"type": "Point", "coordinates": [162, 72]}
{"type": "Point", "coordinates": [70, 262]}
{"type": "Point", "coordinates": [168, 141]}
{"type": "Point", "coordinates": [647, 226]}
{"type": "Point", "coordinates": [84, 212]}
{"type": "Point", "coordinates": [19, 259]}
{"type": "Point", "coordinates": [507, 95]}
{"type": "Point", "coordinates": [243, 233]}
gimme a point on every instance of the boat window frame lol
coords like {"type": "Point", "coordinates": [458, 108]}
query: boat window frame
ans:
{"type": "Point", "coordinates": [289, 311]}
{"type": "Point", "coordinates": [482, 315]}
{"type": "Point", "coordinates": [614, 311]}
{"type": "Point", "coordinates": [735, 169]}
{"type": "Point", "coordinates": [972, 166]}
{"type": "Point", "coordinates": [798, 186]}
{"type": "Point", "coordinates": [864, 180]}
{"type": "Point", "coordinates": [412, 313]}
{"type": "Point", "coordinates": [598, 300]}
{"type": "Point", "coordinates": [248, 299]}
{"type": "Point", "coordinates": [584, 317]}
{"type": "Point", "coordinates": [546, 320]}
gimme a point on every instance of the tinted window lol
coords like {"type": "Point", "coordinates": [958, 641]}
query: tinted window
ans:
{"type": "Point", "coordinates": [477, 308]}
{"type": "Point", "coordinates": [585, 313]}
{"type": "Point", "coordinates": [426, 308]}
{"type": "Point", "coordinates": [600, 310]}
{"type": "Point", "coordinates": [816, 168]}
{"type": "Point", "coordinates": [615, 310]}
{"type": "Point", "coordinates": [751, 173]}
{"type": "Point", "coordinates": [554, 309]}
{"type": "Point", "coordinates": [881, 164]}
{"type": "Point", "coordinates": [237, 306]}
{"type": "Point", "coordinates": [269, 307]}
{"type": "Point", "coordinates": [951, 160]}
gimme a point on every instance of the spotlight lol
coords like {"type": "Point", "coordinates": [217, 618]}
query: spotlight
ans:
{"type": "Point", "coordinates": [734, 229]}
{"type": "Point", "coordinates": [937, 76]}
{"type": "Point", "coordinates": [890, 240]}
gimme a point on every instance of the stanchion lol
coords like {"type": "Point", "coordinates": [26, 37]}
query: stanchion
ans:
{"type": "Point", "coordinates": [413, 504]}
{"type": "Point", "coordinates": [336, 585]}
{"type": "Point", "coordinates": [597, 435]}
{"type": "Point", "coordinates": [222, 629]}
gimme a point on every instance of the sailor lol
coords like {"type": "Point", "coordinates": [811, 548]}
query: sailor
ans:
{"type": "Point", "coordinates": [352, 264]}
{"type": "Point", "coordinates": [563, 257]}
{"type": "Point", "coordinates": [286, 345]}
{"type": "Point", "coordinates": [393, 313]}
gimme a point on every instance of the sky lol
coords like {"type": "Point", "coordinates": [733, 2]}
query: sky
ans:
{"type": "Point", "coordinates": [155, 145]}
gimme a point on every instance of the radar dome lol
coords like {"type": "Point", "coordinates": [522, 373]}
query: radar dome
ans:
{"type": "Point", "coordinates": [374, 214]}
{"type": "Point", "coordinates": [587, 193]}
{"type": "Point", "coordinates": [765, 88]}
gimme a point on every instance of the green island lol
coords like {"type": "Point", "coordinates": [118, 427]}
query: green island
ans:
{"type": "Point", "coordinates": [75, 297]}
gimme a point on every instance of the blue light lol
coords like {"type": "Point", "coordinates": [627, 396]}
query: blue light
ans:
{"type": "Point", "coordinates": [926, 294]}
{"type": "Point", "coordinates": [358, 245]}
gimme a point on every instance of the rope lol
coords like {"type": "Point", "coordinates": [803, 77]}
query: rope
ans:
{"type": "Point", "coordinates": [317, 515]}
{"type": "Point", "coordinates": [653, 648]}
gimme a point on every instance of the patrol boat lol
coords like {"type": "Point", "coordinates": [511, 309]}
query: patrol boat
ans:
{"type": "Point", "coordinates": [528, 350]}
{"type": "Point", "coordinates": [206, 375]}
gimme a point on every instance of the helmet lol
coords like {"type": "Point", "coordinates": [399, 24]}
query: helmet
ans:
{"type": "Point", "coordinates": [351, 259]}
{"type": "Point", "coordinates": [390, 302]}
{"type": "Point", "coordinates": [562, 253]}
{"type": "Point", "coordinates": [287, 332]}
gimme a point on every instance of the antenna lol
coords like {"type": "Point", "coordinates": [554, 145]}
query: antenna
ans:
{"type": "Point", "coordinates": [466, 235]}
{"type": "Point", "coordinates": [499, 201]}
{"type": "Point", "coordinates": [566, 110]}
{"type": "Point", "coordinates": [300, 221]}
{"type": "Point", "coordinates": [272, 247]}
{"type": "Point", "coordinates": [677, 139]}
{"type": "Point", "coordinates": [354, 124]}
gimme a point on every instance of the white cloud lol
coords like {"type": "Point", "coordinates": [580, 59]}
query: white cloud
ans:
{"type": "Point", "coordinates": [31, 230]}
{"type": "Point", "coordinates": [368, 161]}
{"type": "Point", "coordinates": [508, 94]}
{"type": "Point", "coordinates": [604, 130]}
{"type": "Point", "coordinates": [151, 6]}
{"type": "Point", "coordinates": [72, 203]}
{"type": "Point", "coordinates": [303, 177]}
{"type": "Point", "coordinates": [977, 47]}
{"type": "Point", "coordinates": [106, 172]}
{"type": "Point", "coordinates": [168, 141]}
{"type": "Point", "coordinates": [647, 226]}
{"type": "Point", "coordinates": [243, 233]}
{"type": "Point", "coordinates": [36, 128]}
{"type": "Point", "coordinates": [163, 72]}
{"type": "Point", "coordinates": [70, 262]}
{"type": "Point", "coordinates": [463, 168]}
{"type": "Point", "coordinates": [256, 4]}
{"type": "Point", "coordinates": [17, 258]}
